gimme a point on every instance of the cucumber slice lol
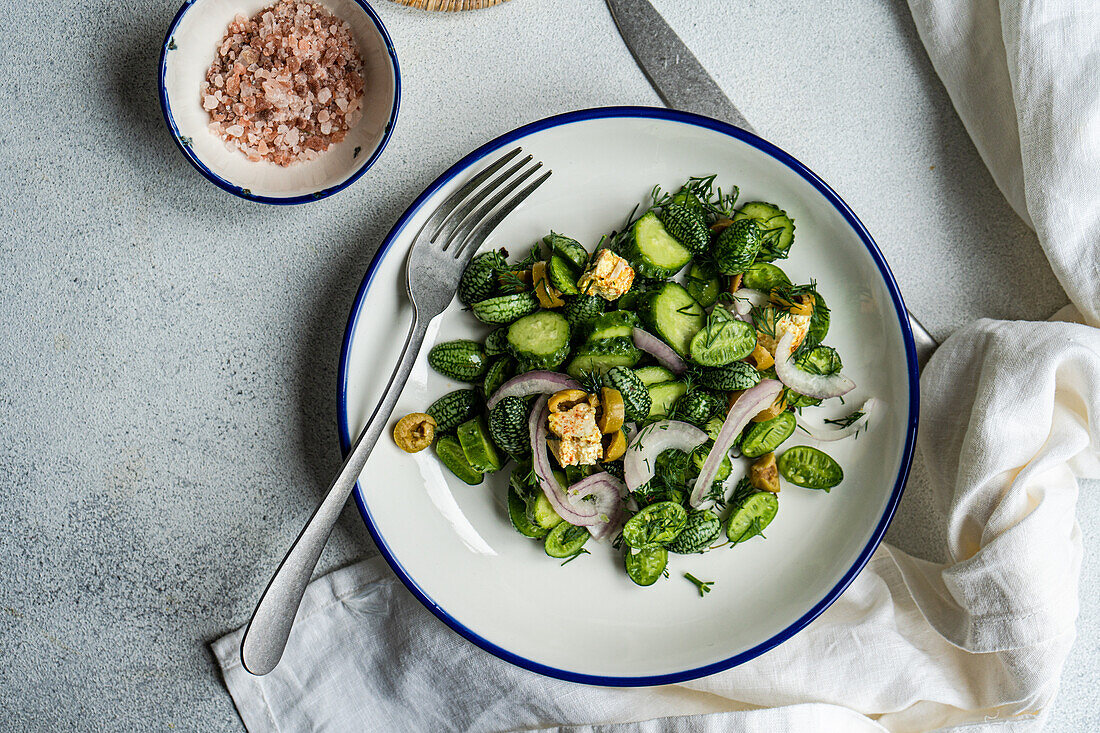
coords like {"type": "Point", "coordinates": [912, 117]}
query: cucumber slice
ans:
{"type": "Point", "coordinates": [652, 251]}
{"type": "Point", "coordinates": [562, 275]}
{"type": "Point", "coordinates": [473, 436]}
{"type": "Point", "coordinates": [644, 567]}
{"type": "Point", "coordinates": [663, 396]}
{"type": "Point", "coordinates": [542, 513]}
{"type": "Point", "coordinates": [566, 540]}
{"type": "Point", "coordinates": [600, 356]}
{"type": "Point", "coordinates": [703, 284]}
{"type": "Point", "coordinates": [762, 438]}
{"type": "Point", "coordinates": [450, 453]}
{"type": "Point", "coordinates": [654, 375]}
{"type": "Point", "coordinates": [703, 527]}
{"type": "Point", "coordinates": [657, 524]}
{"type": "Point", "coordinates": [810, 468]}
{"type": "Point", "coordinates": [540, 340]}
{"type": "Point", "coordinates": [675, 316]}
{"type": "Point", "coordinates": [751, 516]}
{"type": "Point", "coordinates": [616, 324]}
{"type": "Point", "coordinates": [686, 226]}
{"type": "Point", "coordinates": [723, 340]}
{"type": "Point", "coordinates": [517, 512]}
{"type": "Point", "coordinates": [764, 276]}
{"type": "Point", "coordinates": [777, 229]}
{"type": "Point", "coordinates": [570, 249]}
{"type": "Point", "coordinates": [819, 322]}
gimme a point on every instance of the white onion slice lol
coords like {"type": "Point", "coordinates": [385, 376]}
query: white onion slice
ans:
{"type": "Point", "coordinates": [818, 386]}
{"type": "Point", "coordinates": [641, 455]}
{"type": "Point", "coordinates": [751, 402]}
{"type": "Point", "coordinates": [745, 299]}
{"type": "Point", "coordinates": [608, 493]}
{"type": "Point", "coordinates": [826, 434]}
{"type": "Point", "coordinates": [660, 351]}
{"type": "Point", "coordinates": [529, 383]}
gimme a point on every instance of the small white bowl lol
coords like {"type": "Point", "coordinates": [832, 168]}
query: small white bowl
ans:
{"type": "Point", "coordinates": [189, 49]}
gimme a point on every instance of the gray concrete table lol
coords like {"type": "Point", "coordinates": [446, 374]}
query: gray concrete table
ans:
{"type": "Point", "coordinates": [169, 352]}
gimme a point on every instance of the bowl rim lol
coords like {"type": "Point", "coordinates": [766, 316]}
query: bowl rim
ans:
{"type": "Point", "coordinates": [244, 193]}
{"type": "Point", "coordinates": [831, 196]}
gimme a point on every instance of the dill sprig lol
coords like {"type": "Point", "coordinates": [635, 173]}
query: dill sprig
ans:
{"type": "Point", "coordinates": [702, 585]}
{"type": "Point", "coordinates": [571, 558]}
{"type": "Point", "coordinates": [843, 422]}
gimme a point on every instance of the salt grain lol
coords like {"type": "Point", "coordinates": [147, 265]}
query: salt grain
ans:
{"type": "Point", "coordinates": [291, 76]}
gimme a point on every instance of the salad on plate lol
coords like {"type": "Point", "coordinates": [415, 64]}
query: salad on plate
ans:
{"type": "Point", "coordinates": [642, 392]}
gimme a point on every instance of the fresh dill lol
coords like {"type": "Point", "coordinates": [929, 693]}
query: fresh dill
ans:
{"type": "Point", "coordinates": [571, 558]}
{"type": "Point", "coordinates": [843, 422]}
{"type": "Point", "coordinates": [702, 585]}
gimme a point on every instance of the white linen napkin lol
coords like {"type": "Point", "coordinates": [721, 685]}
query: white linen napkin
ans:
{"type": "Point", "coordinates": [1010, 420]}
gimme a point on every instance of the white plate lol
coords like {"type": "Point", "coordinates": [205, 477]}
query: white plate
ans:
{"type": "Point", "coordinates": [452, 544]}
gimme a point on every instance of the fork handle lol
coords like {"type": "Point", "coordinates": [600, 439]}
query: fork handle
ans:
{"type": "Point", "coordinates": [267, 633]}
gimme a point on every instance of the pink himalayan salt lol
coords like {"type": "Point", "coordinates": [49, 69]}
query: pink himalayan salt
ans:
{"type": "Point", "coordinates": [290, 77]}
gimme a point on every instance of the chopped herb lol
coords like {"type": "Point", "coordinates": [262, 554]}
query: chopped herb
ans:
{"type": "Point", "coordinates": [702, 585]}
{"type": "Point", "coordinates": [571, 558]}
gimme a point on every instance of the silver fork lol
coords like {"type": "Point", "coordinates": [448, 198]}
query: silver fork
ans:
{"type": "Point", "coordinates": [435, 262]}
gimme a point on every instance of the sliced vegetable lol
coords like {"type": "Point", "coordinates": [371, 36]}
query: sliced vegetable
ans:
{"type": "Point", "coordinates": [570, 249]}
{"type": "Point", "coordinates": [663, 395]}
{"type": "Point", "coordinates": [543, 514]}
{"type": "Point", "coordinates": [657, 524]}
{"type": "Point", "coordinates": [606, 494]}
{"type": "Point", "coordinates": [675, 316]}
{"type": "Point", "coordinates": [849, 426]}
{"type": "Point", "coordinates": [765, 437]}
{"type": "Point", "coordinates": [517, 512]}
{"type": "Point", "coordinates": [615, 324]}
{"type": "Point", "coordinates": [763, 474]}
{"type": "Point", "coordinates": [652, 251]}
{"type": "Point", "coordinates": [654, 374]}
{"type": "Point", "coordinates": [641, 454]}
{"type": "Point", "coordinates": [686, 227]}
{"type": "Point", "coordinates": [414, 432]}
{"type": "Point", "coordinates": [644, 567]}
{"type": "Point", "coordinates": [453, 457]}
{"type": "Point", "coordinates": [748, 404]}
{"type": "Point", "coordinates": [565, 540]}
{"type": "Point", "coordinates": [776, 227]}
{"type": "Point", "coordinates": [548, 296]}
{"type": "Point", "coordinates": [612, 412]}
{"type": "Point", "coordinates": [660, 351]}
{"type": "Point", "coordinates": [600, 356]}
{"type": "Point", "coordinates": [810, 468]}
{"type": "Point", "coordinates": [703, 284]}
{"type": "Point", "coordinates": [820, 386]}
{"type": "Point", "coordinates": [562, 275]}
{"type": "Point", "coordinates": [723, 340]}
{"type": "Point", "coordinates": [752, 514]}
{"type": "Point", "coordinates": [530, 383]}
{"type": "Point", "coordinates": [461, 359]}
{"type": "Point", "coordinates": [632, 391]}
{"type": "Point", "coordinates": [540, 340]}
{"type": "Point", "coordinates": [614, 446]}
{"type": "Point", "coordinates": [473, 436]}
{"type": "Point", "coordinates": [764, 276]}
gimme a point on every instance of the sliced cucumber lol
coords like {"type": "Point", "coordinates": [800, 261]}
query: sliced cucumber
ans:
{"type": "Point", "coordinates": [451, 454]}
{"type": "Point", "coordinates": [652, 251]}
{"type": "Point", "coordinates": [616, 324]}
{"type": "Point", "coordinates": [654, 374]}
{"type": "Point", "coordinates": [473, 436]}
{"type": "Point", "coordinates": [819, 322]}
{"type": "Point", "coordinates": [542, 513]}
{"type": "Point", "coordinates": [663, 396]}
{"type": "Point", "coordinates": [764, 276]}
{"type": "Point", "coordinates": [562, 275]}
{"type": "Point", "coordinates": [570, 249]}
{"type": "Point", "coordinates": [540, 340]}
{"type": "Point", "coordinates": [810, 468]}
{"type": "Point", "coordinates": [762, 438]}
{"type": "Point", "coordinates": [566, 540]}
{"type": "Point", "coordinates": [777, 229]}
{"type": "Point", "coordinates": [636, 400]}
{"type": "Point", "coordinates": [517, 512]}
{"type": "Point", "coordinates": [751, 516]}
{"type": "Point", "coordinates": [703, 284]}
{"type": "Point", "coordinates": [644, 567]}
{"type": "Point", "coordinates": [675, 316]}
{"type": "Point", "coordinates": [686, 227]}
{"type": "Point", "coordinates": [657, 524]}
{"type": "Point", "coordinates": [600, 356]}
{"type": "Point", "coordinates": [702, 528]}
{"type": "Point", "coordinates": [723, 340]}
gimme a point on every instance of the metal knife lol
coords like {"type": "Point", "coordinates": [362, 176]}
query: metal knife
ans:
{"type": "Point", "coordinates": [683, 83]}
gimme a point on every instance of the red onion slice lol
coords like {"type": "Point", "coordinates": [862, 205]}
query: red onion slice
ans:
{"type": "Point", "coordinates": [751, 402]}
{"type": "Point", "coordinates": [818, 386]}
{"type": "Point", "coordinates": [529, 383]}
{"type": "Point", "coordinates": [641, 455]}
{"type": "Point", "coordinates": [660, 351]}
{"type": "Point", "coordinates": [608, 493]}
{"type": "Point", "coordinates": [870, 409]}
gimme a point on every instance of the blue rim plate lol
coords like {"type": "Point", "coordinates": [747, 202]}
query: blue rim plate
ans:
{"type": "Point", "coordinates": [182, 145]}
{"type": "Point", "coordinates": [509, 140]}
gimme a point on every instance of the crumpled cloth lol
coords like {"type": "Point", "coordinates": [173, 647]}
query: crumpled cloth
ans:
{"type": "Point", "coordinates": [1010, 420]}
